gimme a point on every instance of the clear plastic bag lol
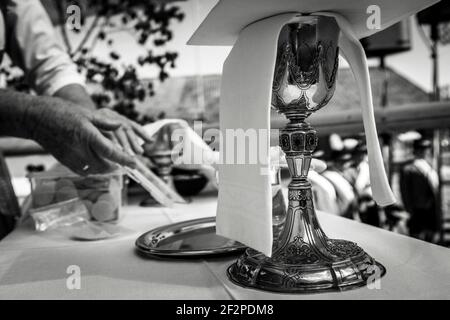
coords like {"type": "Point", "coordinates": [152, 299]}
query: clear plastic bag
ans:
{"type": "Point", "coordinates": [61, 214]}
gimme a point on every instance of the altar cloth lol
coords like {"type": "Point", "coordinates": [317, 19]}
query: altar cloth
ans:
{"type": "Point", "coordinates": [33, 265]}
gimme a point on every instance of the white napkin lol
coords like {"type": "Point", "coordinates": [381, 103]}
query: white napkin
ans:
{"type": "Point", "coordinates": [352, 50]}
{"type": "Point", "coordinates": [244, 210]}
{"type": "Point", "coordinates": [228, 18]}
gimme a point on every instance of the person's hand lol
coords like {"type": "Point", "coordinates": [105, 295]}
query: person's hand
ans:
{"type": "Point", "coordinates": [128, 135]}
{"type": "Point", "coordinates": [82, 139]}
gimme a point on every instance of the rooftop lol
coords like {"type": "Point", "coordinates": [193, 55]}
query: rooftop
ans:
{"type": "Point", "coordinates": [180, 96]}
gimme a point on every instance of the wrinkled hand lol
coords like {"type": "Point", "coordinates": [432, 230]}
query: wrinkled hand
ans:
{"type": "Point", "coordinates": [128, 134]}
{"type": "Point", "coordinates": [82, 139]}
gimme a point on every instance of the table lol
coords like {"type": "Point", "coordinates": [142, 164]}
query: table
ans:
{"type": "Point", "coordinates": [34, 265]}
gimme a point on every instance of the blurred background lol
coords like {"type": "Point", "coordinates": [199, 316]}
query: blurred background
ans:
{"type": "Point", "coordinates": [135, 60]}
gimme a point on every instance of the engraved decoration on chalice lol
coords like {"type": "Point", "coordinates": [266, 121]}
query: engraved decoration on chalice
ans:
{"type": "Point", "coordinates": [304, 259]}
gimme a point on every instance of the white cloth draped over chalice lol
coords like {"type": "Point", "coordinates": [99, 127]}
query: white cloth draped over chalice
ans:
{"type": "Point", "coordinates": [244, 211]}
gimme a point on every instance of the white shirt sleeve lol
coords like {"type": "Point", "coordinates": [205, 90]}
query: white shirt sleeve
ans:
{"type": "Point", "coordinates": [33, 45]}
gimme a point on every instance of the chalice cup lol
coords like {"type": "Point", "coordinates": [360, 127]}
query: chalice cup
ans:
{"type": "Point", "coordinates": [304, 259]}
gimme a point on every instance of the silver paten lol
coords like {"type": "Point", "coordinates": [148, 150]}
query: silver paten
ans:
{"type": "Point", "coordinates": [187, 239]}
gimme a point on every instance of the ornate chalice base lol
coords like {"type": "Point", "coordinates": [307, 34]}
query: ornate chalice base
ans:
{"type": "Point", "coordinates": [304, 259]}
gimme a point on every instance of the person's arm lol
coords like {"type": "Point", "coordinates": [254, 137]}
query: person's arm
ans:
{"type": "Point", "coordinates": [33, 45]}
{"type": "Point", "coordinates": [12, 114]}
{"type": "Point", "coordinates": [77, 94]}
{"type": "Point", "coordinates": [126, 135]}
{"type": "Point", "coordinates": [73, 135]}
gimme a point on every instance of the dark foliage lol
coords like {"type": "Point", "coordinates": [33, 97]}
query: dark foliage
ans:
{"type": "Point", "coordinates": [148, 23]}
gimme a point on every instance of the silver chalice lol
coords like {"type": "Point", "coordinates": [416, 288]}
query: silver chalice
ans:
{"type": "Point", "coordinates": [304, 259]}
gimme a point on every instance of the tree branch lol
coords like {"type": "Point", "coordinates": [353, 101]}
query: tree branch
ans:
{"type": "Point", "coordinates": [102, 29]}
{"type": "Point", "coordinates": [87, 35]}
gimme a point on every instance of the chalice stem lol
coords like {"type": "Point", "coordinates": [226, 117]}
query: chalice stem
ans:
{"type": "Point", "coordinates": [299, 140]}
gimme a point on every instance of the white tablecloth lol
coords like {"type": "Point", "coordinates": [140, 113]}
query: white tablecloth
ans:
{"type": "Point", "coordinates": [33, 265]}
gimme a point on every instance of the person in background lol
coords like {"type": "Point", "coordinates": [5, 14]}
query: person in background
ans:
{"type": "Point", "coordinates": [419, 187]}
{"type": "Point", "coordinates": [325, 198]}
{"type": "Point", "coordinates": [62, 118]}
{"type": "Point", "coordinates": [345, 196]}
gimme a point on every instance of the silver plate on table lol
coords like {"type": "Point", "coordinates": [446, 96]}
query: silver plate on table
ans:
{"type": "Point", "coordinates": [193, 238]}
